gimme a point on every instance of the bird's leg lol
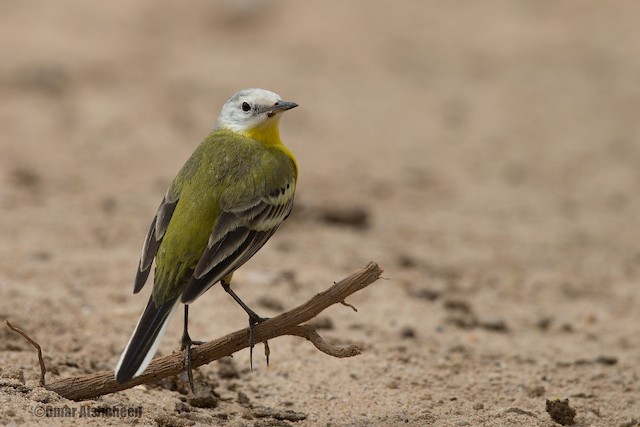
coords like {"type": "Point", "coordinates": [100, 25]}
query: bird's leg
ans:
{"type": "Point", "coordinates": [254, 319]}
{"type": "Point", "coordinates": [187, 342]}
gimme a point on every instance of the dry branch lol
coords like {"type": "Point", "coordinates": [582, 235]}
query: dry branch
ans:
{"type": "Point", "coordinates": [43, 369]}
{"type": "Point", "coordinates": [289, 323]}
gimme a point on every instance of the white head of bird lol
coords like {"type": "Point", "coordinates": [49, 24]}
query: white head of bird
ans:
{"type": "Point", "coordinates": [254, 113]}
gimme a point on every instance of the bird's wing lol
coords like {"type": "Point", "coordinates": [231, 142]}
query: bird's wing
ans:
{"type": "Point", "coordinates": [239, 233]}
{"type": "Point", "coordinates": [154, 237]}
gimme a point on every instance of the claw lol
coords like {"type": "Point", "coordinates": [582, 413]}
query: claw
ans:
{"type": "Point", "coordinates": [186, 345]}
{"type": "Point", "coordinates": [187, 367]}
{"type": "Point", "coordinates": [254, 319]}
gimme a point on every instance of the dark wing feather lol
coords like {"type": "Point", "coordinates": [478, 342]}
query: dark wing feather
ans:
{"type": "Point", "coordinates": [237, 237]}
{"type": "Point", "coordinates": [149, 250]}
{"type": "Point", "coordinates": [152, 241]}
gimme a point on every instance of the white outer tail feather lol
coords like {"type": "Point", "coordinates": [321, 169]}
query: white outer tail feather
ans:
{"type": "Point", "coordinates": [154, 346]}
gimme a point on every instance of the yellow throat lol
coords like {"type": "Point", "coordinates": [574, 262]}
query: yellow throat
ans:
{"type": "Point", "coordinates": [267, 133]}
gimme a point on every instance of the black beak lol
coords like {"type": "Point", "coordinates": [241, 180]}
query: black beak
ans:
{"type": "Point", "coordinates": [280, 106]}
{"type": "Point", "coordinates": [283, 106]}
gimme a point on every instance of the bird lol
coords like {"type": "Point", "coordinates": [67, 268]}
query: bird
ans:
{"type": "Point", "coordinates": [228, 199]}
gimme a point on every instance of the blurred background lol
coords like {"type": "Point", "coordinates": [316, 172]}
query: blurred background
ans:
{"type": "Point", "coordinates": [485, 154]}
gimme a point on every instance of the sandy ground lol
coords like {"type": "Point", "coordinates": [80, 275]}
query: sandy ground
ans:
{"type": "Point", "coordinates": [493, 149]}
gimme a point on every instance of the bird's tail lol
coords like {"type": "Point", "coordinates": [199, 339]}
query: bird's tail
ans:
{"type": "Point", "coordinates": [145, 340]}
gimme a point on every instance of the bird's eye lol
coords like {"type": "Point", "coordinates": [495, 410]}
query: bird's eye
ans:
{"type": "Point", "coordinates": [246, 107]}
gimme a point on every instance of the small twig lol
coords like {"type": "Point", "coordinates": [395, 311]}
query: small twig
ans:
{"type": "Point", "coordinates": [346, 304]}
{"type": "Point", "coordinates": [310, 333]}
{"type": "Point", "coordinates": [289, 323]}
{"type": "Point", "coordinates": [43, 369]}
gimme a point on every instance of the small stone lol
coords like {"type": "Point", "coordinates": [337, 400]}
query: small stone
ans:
{"type": "Point", "coordinates": [181, 407]}
{"type": "Point", "coordinates": [478, 406]}
{"type": "Point", "coordinates": [278, 414]}
{"type": "Point", "coordinates": [243, 399]}
{"type": "Point", "coordinates": [462, 320]}
{"type": "Point", "coordinates": [544, 323]}
{"type": "Point", "coordinates": [498, 325]}
{"type": "Point", "coordinates": [458, 305]}
{"type": "Point", "coordinates": [169, 421]}
{"type": "Point", "coordinates": [206, 401]}
{"type": "Point", "coordinates": [407, 332]}
{"type": "Point", "coordinates": [561, 412]}
{"type": "Point", "coordinates": [607, 360]}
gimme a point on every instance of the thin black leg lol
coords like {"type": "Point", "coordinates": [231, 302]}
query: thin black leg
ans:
{"type": "Point", "coordinates": [187, 342]}
{"type": "Point", "coordinates": [254, 319]}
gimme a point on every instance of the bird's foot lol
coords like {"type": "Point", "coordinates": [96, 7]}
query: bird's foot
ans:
{"type": "Point", "coordinates": [187, 343]}
{"type": "Point", "coordinates": [254, 319]}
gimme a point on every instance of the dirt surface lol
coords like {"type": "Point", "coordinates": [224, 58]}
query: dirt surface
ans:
{"type": "Point", "coordinates": [485, 154]}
